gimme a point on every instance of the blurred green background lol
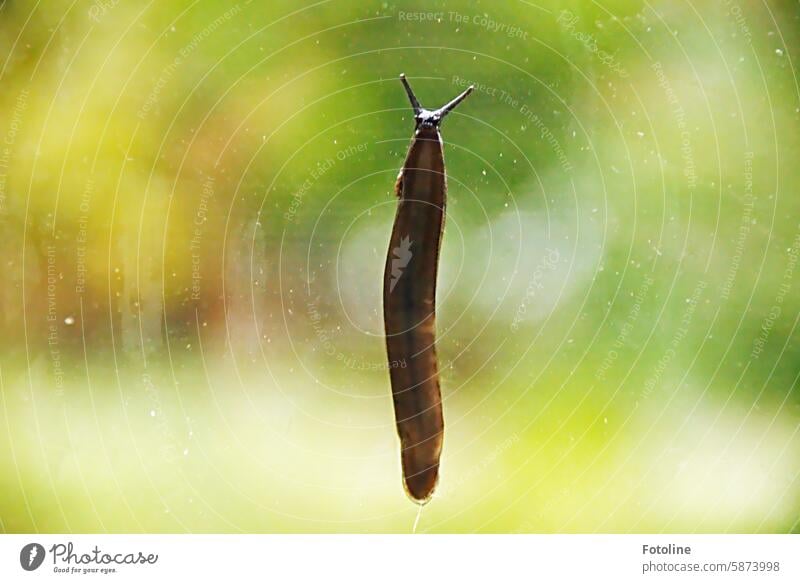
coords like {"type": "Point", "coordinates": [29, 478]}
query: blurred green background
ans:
{"type": "Point", "coordinates": [196, 200]}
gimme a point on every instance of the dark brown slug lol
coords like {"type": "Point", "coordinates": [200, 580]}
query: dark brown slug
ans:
{"type": "Point", "coordinates": [409, 300]}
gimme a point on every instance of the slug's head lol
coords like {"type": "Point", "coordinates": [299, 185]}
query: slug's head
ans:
{"type": "Point", "coordinates": [431, 118]}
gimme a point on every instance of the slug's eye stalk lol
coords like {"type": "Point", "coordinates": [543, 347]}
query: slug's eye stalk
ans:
{"type": "Point", "coordinates": [431, 118]}
{"type": "Point", "coordinates": [444, 110]}
{"type": "Point", "coordinates": [411, 97]}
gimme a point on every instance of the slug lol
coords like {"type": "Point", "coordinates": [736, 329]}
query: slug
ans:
{"type": "Point", "coordinates": [409, 300]}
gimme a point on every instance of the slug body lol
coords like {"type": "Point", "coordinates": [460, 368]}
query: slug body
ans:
{"type": "Point", "coordinates": [409, 300]}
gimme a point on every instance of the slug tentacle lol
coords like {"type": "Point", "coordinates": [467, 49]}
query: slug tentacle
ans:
{"type": "Point", "coordinates": [409, 300]}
